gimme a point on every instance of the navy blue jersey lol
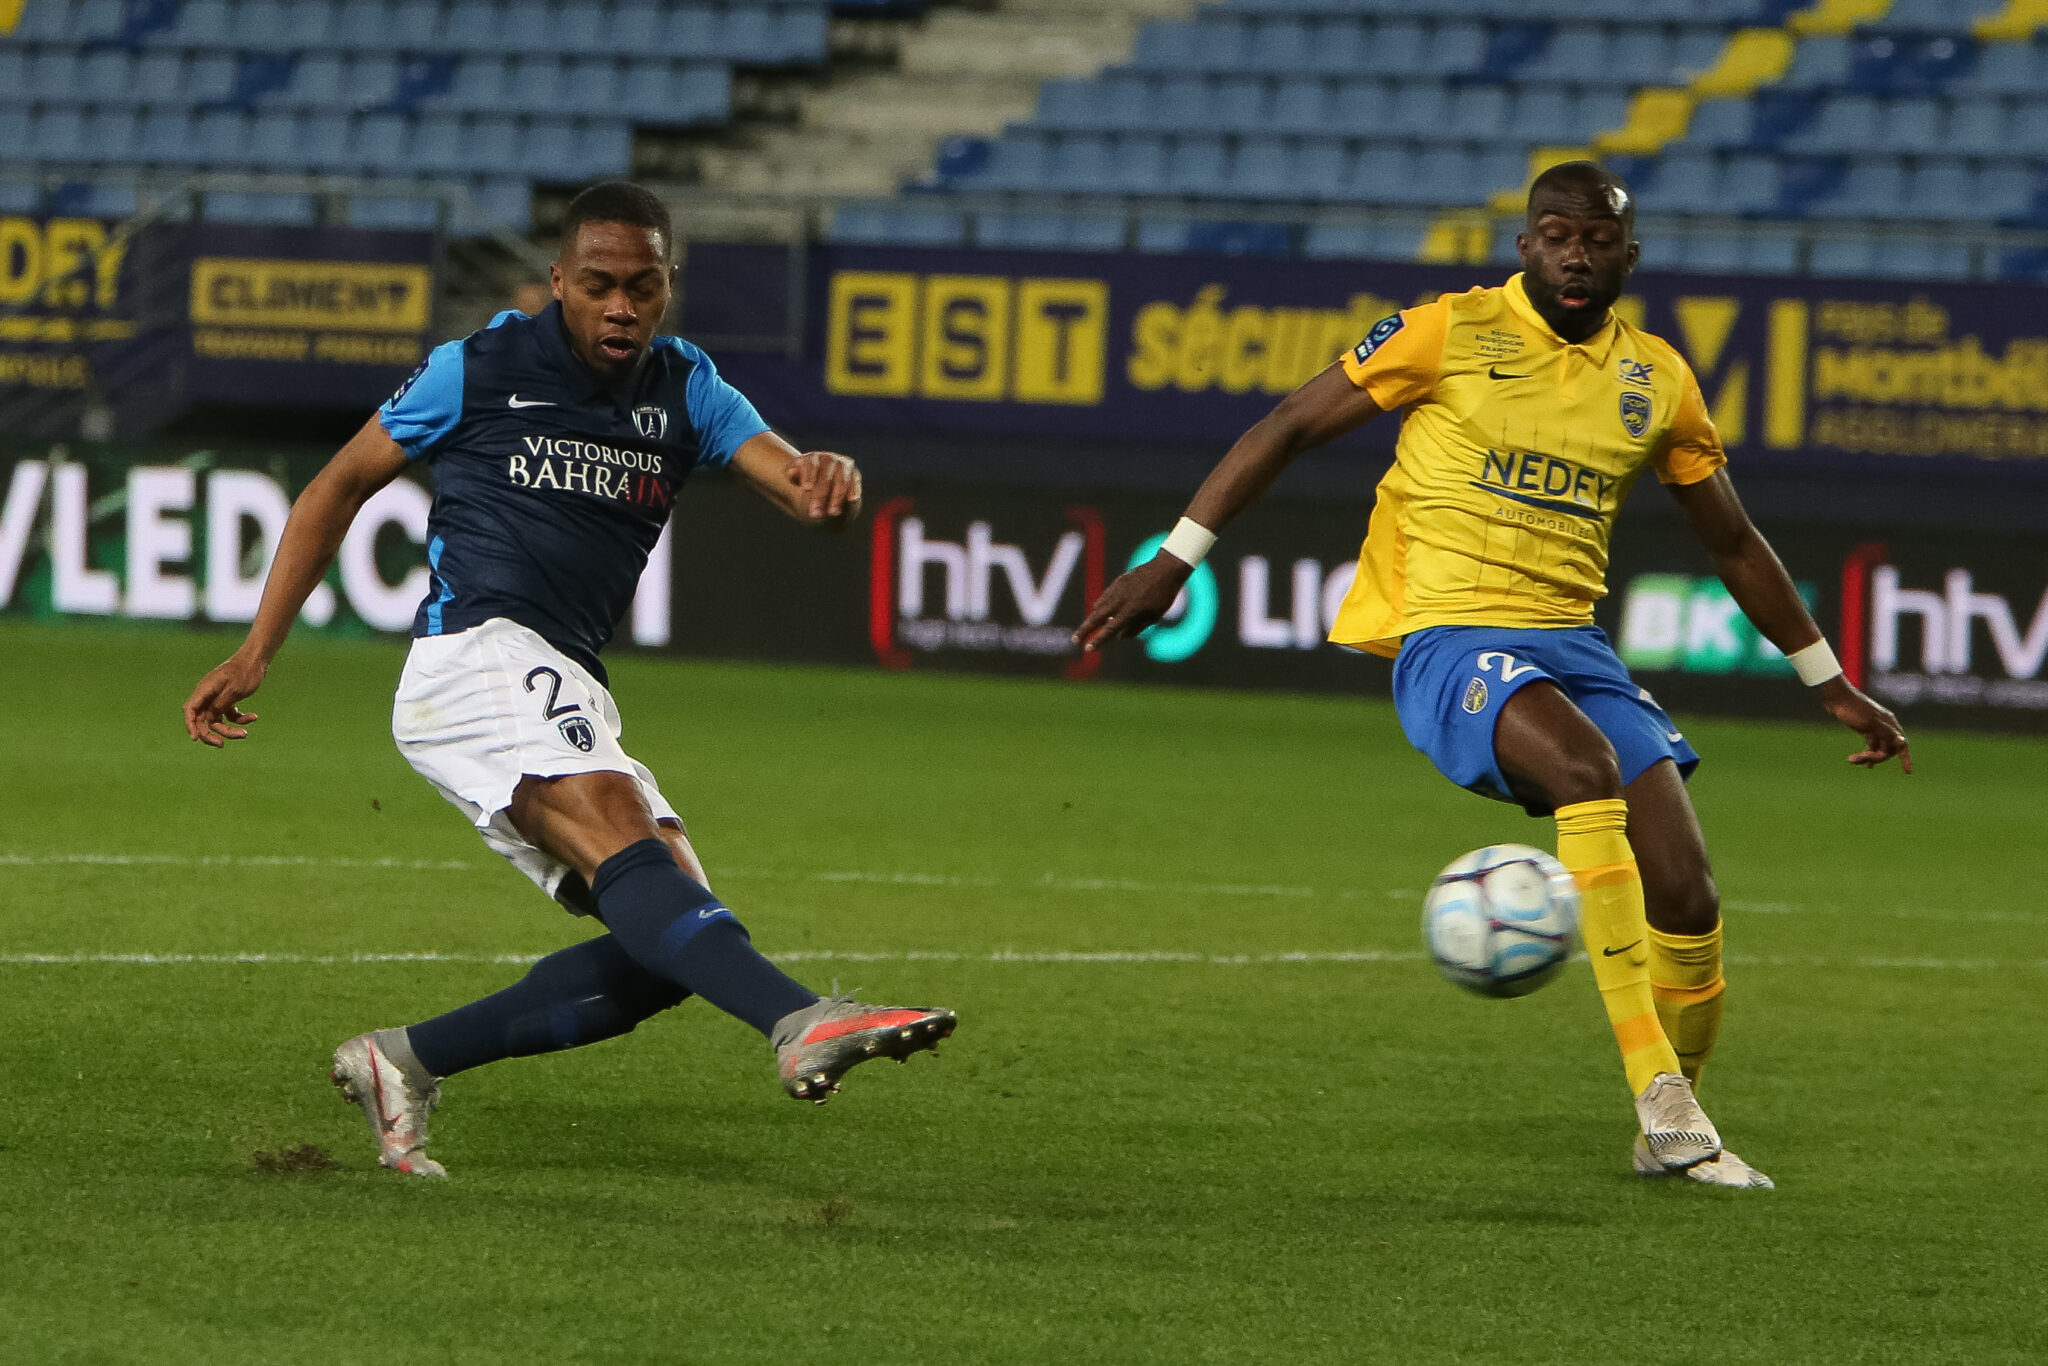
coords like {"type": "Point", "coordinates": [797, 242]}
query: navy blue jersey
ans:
{"type": "Point", "coordinates": [550, 488]}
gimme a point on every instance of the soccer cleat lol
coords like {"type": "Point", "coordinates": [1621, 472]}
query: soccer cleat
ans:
{"type": "Point", "coordinates": [396, 1107]}
{"type": "Point", "coordinates": [1676, 1132]}
{"type": "Point", "coordinates": [815, 1046]}
{"type": "Point", "coordinates": [1725, 1170]}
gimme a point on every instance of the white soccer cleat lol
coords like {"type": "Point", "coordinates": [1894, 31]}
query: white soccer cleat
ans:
{"type": "Point", "coordinates": [1676, 1133]}
{"type": "Point", "coordinates": [395, 1105]}
{"type": "Point", "coordinates": [1725, 1170]}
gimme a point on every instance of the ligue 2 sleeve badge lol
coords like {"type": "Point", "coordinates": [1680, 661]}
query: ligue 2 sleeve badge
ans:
{"type": "Point", "coordinates": [1635, 412]}
{"type": "Point", "coordinates": [1375, 339]}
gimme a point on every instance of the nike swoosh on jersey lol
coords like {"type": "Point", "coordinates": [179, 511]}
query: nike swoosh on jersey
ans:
{"type": "Point", "coordinates": [1674, 735]}
{"type": "Point", "coordinates": [1494, 373]}
{"type": "Point", "coordinates": [517, 402]}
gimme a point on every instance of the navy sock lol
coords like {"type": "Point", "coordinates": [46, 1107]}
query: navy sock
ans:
{"type": "Point", "coordinates": [675, 928]}
{"type": "Point", "coordinates": [574, 996]}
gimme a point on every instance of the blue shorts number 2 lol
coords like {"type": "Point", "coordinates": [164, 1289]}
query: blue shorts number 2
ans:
{"type": "Point", "coordinates": [1450, 683]}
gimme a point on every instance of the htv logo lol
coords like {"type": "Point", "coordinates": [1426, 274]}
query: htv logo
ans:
{"type": "Point", "coordinates": [1880, 609]}
{"type": "Point", "coordinates": [929, 593]}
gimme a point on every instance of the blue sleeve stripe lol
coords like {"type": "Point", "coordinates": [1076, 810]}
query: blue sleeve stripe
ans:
{"type": "Point", "coordinates": [427, 406]}
{"type": "Point", "coordinates": [721, 414]}
{"type": "Point", "coordinates": [447, 594]}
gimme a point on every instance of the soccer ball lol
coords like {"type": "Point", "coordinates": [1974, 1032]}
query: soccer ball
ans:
{"type": "Point", "coordinates": [1501, 920]}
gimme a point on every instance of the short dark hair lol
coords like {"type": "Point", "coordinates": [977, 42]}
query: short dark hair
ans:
{"type": "Point", "coordinates": [619, 201]}
{"type": "Point", "coordinates": [1591, 179]}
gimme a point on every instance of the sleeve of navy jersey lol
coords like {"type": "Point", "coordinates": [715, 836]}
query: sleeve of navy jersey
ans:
{"type": "Point", "coordinates": [724, 420]}
{"type": "Point", "coordinates": [428, 405]}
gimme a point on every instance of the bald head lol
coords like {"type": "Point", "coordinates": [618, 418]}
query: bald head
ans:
{"type": "Point", "coordinates": [1582, 189]}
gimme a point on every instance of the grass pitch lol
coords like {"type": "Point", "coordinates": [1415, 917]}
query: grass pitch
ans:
{"type": "Point", "coordinates": [1156, 1137]}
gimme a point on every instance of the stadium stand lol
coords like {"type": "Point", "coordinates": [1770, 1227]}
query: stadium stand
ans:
{"type": "Point", "coordinates": [98, 96]}
{"type": "Point", "coordinates": [1781, 136]}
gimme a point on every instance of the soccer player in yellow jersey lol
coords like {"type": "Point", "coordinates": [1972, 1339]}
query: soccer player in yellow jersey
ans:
{"type": "Point", "coordinates": [1529, 410]}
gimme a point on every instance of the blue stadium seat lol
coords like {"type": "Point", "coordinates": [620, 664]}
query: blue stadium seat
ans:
{"type": "Point", "coordinates": [394, 213]}
{"type": "Point", "coordinates": [1384, 173]}
{"type": "Point", "coordinates": [1938, 15]}
{"type": "Point", "coordinates": [1818, 64]}
{"type": "Point", "coordinates": [1062, 232]}
{"type": "Point", "coordinates": [440, 144]}
{"type": "Point", "coordinates": [1125, 100]}
{"type": "Point", "coordinates": [104, 74]}
{"type": "Point", "coordinates": [528, 26]}
{"type": "Point", "coordinates": [1376, 242]}
{"type": "Point", "coordinates": [1920, 256]}
{"type": "Point", "coordinates": [1871, 189]}
{"type": "Point", "coordinates": [14, 68]}
{"type": "Point", "coordinates": [549, 148]}
{"type": "Point", "coordinates": [409, 27]}
{"type": "Point", "coordinates": [1393, 47]}
{"type": "Point", "coordinates": [1139, 164]}
{"type": "Point", "coordinates": [2026, 132]}
{"type": "Point", "coordinates": [1418, 108]}
{"type": "Point", "coordinates": [1082, 161]}
{"type": "Point", "coordinates": [1720, 123]}
{"type": "Point", "coordinates": [202, 23]}
{"type": "Point", "coordinates": [1279, 43]}
{"type": "Point", "coordinates": [380, 143]}
{"type": "Point", "coordinates": [582, 28]}
{"type": "Point", "coordinates": [1163, 235]}
{"type": "Point", "coordinates": [604, 147]}
{"type": "Point", "coordinates": [325, 138]}
{"type": "Point", "coordinates": [279, 210]}
{"type": "Point", "coordinates": [494, 143]}
{"type": "Point", "coordinates": [476, 26]}
{"type": "Point", "coordinates": [2003, 69]}
{"type": "Point", "coordinates": [897, 225]}
{"type": "Point", "coordinates": [1180, 102]}
{"type": "Point", "coordinates": [274, 140]}
{"type": "Point", "coordinates": [691, 31]}
{"type": "Point", "coordinates": [1069, 104]}
{"type": "Point", "coordinates": [533, 82]}
{"type": "Point", "coordinates": [320, 81]}
{"type": "Point", "coordinates": [1748, 184]}
{"type": "Point", "coordinates": [1301, 104]}
{"type": "Point", "coordinates": [111, 134]}
{"type": "Point", "coordinates": [166, 135]}
{"type": "Point", "coordinates": [1914, 125]}
{"type": "Point", "coordinates": [44, 21]}
{"type": "Point", "coordinates": [1455, 49]}
{"type": "Point", "coordinates": [220, 137]}
{"type": "Point", "coordinates": [210, 77]}
{"type": "Point", "coordinates": [157, 76]}
{"type": "Point", "coordinates": [1166, 45]}
{"type": "Point", "coordinates": [1361, 104]}
{"type": "Point", "coordinates": [17, 196]}
{"type": "Point", "coordinates": [1543, 113]}
{"type": "Point", "coordinates": [505, 200]}
{"type": "Point", "coordinates": [1196, 165]}
{"type": "Point", "coordinates": [52, 74]}
{"type": "Point", "coordinates": [1262, 168]}
{"type": "Point", "coordinates": [590, 84]}
{"type": "Point", "coordinates": [635, 29]}
{"type": "Point", "coordinates": [1688, 181]}
{"type": "Point", "coordinates": [748, 34]}
{"type": "Point", "coordinates": [1479, 112]}
{"type": "Point", "coordinates": [1239, 103]}
{"type": "Point", "coordinates": [1841, 254]}
{"type": "Point", "coordinates": [1020, 160]}
{"type": "Point", "coordinates": [1640, 55]}
{"type": "Point", "coordinates": [1846, 123]}
{"type": "Point", "coordinates": [1576, 52]}
{"type": "Point", "coordinates": [2004, 191]}
{"type": "Point", "coordinates": [1976, 125]}
{"type": "Point", "coordinates": [1939, 189]}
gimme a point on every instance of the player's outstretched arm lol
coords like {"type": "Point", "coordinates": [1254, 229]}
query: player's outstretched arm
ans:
{"type": "Point", "coordinates": [1758, 582]}
{"type": "Point", "coordinates": [1319, 411]}
{"type": "Point", "coordinates": [320, 518]}
{"type": "Point", "coordinates": [817, 488]}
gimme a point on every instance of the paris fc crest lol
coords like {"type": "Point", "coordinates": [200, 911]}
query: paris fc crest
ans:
{"type": "Point", "coordinates": [1635, 412]}
{"type": "Point", "coordinates": [652, 421]}
{"type": "Point", "coordinates": [578, 731]}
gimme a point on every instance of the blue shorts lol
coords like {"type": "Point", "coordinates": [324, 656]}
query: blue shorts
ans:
{"type": "Point", "coordinates": [1450, 683]}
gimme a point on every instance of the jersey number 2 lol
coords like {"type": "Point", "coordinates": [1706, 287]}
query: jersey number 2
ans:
{"type": "Point", "coordinates": [551, 711]}
{"type": "Point", "coordinates": [1509, 670]}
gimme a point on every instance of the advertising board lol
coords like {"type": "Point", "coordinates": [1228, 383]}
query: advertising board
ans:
{"type": "Point", "coordinates": [1196, 348]}
{"type": "Point", "coordinates": [1945, 627]}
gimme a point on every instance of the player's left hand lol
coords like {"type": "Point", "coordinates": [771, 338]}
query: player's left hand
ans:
{"type": "Point", "coordinates": [827, 488]}
{"type": "Point", "coordinates": [213, 714]}
{"type": "Point", "coordinates": [1882, 737]}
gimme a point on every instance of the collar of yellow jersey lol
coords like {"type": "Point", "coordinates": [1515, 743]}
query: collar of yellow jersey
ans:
{"type": "Point", "coordinates": [1596, 346]}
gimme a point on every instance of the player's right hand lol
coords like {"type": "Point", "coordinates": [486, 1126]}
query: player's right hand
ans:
{"type": "Point", "coordinates": [212, 714]}
{"type": "Point", "coordinates": [1882, 736]}
{"type": "Point", "coordinates": [1133, 602]}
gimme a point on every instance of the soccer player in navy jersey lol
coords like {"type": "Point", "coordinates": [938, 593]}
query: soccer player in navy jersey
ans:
{"type": "Point", "coordinates": [557, 445]}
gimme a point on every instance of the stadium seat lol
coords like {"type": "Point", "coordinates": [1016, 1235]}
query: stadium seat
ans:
{"type": "Point", "coordinates": [505, 200]}
{"type": "Point", "coordinates": [897, 225]}
{"type": "Point", "coordinates": [1845, 254]}
{"type": "Point", "coordinates": [494, 144]}
{"type": "Point", "coordinates": [166, 135]}
{"type": "Point", "coordinates": [439, 144]}
{"type": "Point", "coordinates": [2003, 69]}
{"type": "Point", "coordinates": [210, 78]}
{"type": "Point", "coordinates": [1913, 125]}
{"type": "Point", "coordinates": [324, 140]}
{"type": "Point", "coordinates": [280, 210]}
{"type": "Point", "coordinates": [1393, 47]}
{"type": "Point", "coordinates": [1920, 256]}
{"type": "Point", "coordinates": [1196, 165]}
{"type": "Point", "coordinates": [1049, 231]}
{"type": "Point", "coordinates": [380, 143]}
{"type": "Point", "coordinates": [274, 141]}
{"type": "Point", "coordinates": [635, 28]}
{"type": "Point", "coordinates": [1301, 104]}
{"type": "Point", "coordinates": [1818, 64]}
{"type": "Point", "coordinates": [103, 74]}
{"type": "Point", "coordinates": [1478, 112]}
{"type": "Point", "coordinates": [1976, 125]}
{"type": "Point", "coordinates": [392, 212]}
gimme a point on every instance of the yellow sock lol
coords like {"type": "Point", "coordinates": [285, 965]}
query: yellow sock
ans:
{"type": "Point", "coordinates": [1685, 977]}
{"type": "Point", "coordinates": [1592, 841]}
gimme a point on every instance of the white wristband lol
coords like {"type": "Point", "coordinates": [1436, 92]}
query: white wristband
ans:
{"type": "Point", "coordinates": [1815, 664]}
{"type": "Point", "coordinates": [1188, 542]}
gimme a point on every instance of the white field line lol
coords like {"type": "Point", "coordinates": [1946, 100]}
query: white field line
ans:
{"type": "Point", "coordinates": [1049, 882]}
{"type": "Point", "coordinates": [1001, 957]}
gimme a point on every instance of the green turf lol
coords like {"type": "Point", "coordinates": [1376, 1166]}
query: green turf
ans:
{"type": "Point", "coordinates": [1178, 1160]}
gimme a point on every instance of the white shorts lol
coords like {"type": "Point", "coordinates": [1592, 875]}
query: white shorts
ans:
{"type": "Point", "coordinates": [481, 709]}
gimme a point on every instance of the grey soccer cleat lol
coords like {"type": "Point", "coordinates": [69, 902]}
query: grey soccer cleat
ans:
{"type": "Point", "coordinates": [1725, 1170]}
{"type": "Point", "coordinates": [815, 1046]}
{"type": "Point", "coordinates": [395, 1104]}
{"type": "Point", "coordinates": [1676, 1132]}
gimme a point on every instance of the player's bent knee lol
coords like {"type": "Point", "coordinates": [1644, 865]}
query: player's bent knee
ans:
{"type": "Point", "coordinates": [1584, 776]}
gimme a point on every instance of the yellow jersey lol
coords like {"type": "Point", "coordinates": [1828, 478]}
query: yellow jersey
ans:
{"type": "Point", "coordinates": [1516, 450]}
